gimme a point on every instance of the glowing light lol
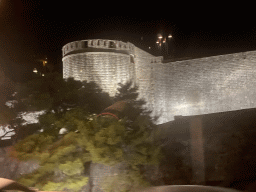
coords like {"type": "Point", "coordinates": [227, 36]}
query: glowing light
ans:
{"type": "Point", "coordinates": [42, 74]}
{"type": "Point", "coordinates": [35, 70]}
{"type": "Point", "coordinates": [169, 36]}
{"type": "Point", "coordinates": [44, 63]}
{"type": "Point", "coordinates": [160, 37]}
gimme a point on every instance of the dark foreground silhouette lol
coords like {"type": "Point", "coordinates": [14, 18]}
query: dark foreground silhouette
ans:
{"type": "Point", "coordinates": [188, 188]}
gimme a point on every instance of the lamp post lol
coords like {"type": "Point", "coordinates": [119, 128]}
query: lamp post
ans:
{"type": "Point", "coordinates": [163, 41]}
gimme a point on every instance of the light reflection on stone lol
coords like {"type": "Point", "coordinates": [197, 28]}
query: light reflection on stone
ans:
{"type": "Point", "coordinates": [189, 87]}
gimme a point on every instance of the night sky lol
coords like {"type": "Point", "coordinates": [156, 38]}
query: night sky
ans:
{"type": "Point", "coordinates": [38, 28]}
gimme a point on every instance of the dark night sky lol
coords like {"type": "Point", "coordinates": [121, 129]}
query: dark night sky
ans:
{"type": "Point", "coordinates": [35, 27]}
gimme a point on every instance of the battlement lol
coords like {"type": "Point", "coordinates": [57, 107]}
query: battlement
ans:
{"type": "Point", "coordinates": [158, 59]}
{"type": "Point", "coordinates": [97, 43]}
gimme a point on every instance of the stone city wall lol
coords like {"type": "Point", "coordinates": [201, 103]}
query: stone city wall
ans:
{"type": "Point", "coordinates": [208, 85]}
{"type": "Point", "coordinates": [144, 70]}
{"type": "Point", "coordinates": [188, 87]}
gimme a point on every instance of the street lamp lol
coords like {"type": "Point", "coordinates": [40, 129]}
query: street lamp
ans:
{"type": "Point", "coordinates": [164, 40]}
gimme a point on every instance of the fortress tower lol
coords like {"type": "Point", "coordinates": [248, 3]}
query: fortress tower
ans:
{"type": "Point", "coordinates": [109, 62]}
{"type": "Point", "coordinates": [103, 61]}
{"type": "Point", "coordinates": [188, 87]}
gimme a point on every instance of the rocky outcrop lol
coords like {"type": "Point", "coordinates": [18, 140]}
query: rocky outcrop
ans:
{"type": "Point", "coordinates": [11, 168]}
{"type": "Point", "coordinates": [98, 172]}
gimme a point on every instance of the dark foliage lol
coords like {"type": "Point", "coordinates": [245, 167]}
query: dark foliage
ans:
{"type": "Point", "coordinates": [135, 111]}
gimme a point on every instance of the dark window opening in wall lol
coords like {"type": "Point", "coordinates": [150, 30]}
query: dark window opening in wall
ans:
{"type": "Point", "coordinates": [85, 44]}
{"type": "Point", "coordinates": [71, 45]}
{"type": "Point", "coordinates": [76, 45]}
{"type": "Point", "coordinates": [112, 44]}
{"type": "Point", "coordinates": [132, 59]}
{"type": "Point", "coordinates": [92, 43]}
{"type": "Point", "coordinates": [105, 43]}
{"type": "Point", "coordinates": [98, 43]}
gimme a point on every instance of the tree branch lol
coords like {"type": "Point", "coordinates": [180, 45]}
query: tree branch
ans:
{"type": "Point", "coordinates": [6, 134]}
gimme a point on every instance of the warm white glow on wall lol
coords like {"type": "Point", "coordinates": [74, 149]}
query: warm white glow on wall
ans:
{"type": "Point", "coordinates": [223, 83]}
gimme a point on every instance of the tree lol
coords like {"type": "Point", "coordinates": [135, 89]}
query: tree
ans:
{"type": "Point", "coordinates": [97, 139]}
{"type": "Point", "coordinates": [5, 132]}
{"type": "Point", "coordinates": [6, 115]}
{"type": "Point", "coordinates": [51, 124]}
{"type": "Point", "coordinates": [61, 162]}
{"type": "Point", "coordinates": [90, 138]}
{"type": "Point", "coordinates": [135, 113]}
{"type": "Point", "coordinates": [128, 92]}
{"type": "Point", "coordinates": [50, 92]}
{"type": "Point", "coordinates": [93, 98]}
{"type": "Point", "coordinates": [53, 93]}
{"type": "Point", "coordinates": [109, 143]}
{"type": "Point", "coordinates": [56, 96]}
{"type": "Point", "coordinates": [6, 90]}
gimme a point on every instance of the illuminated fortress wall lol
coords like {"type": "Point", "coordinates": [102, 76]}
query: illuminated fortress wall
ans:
{"type": "Point", "coordinates": [103, 61]}
{"type": "Point", "coordinates": [144, 70]}
{"type": "Point", "coordinates": [189, 87]}
{"type": "Point", "coordinates": [210, 85]}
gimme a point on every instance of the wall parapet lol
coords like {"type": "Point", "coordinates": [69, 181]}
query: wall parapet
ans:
{"type": "Point", "coordinates": [158, 59]}
{"type": "Point", "coordinates": [97, 43]}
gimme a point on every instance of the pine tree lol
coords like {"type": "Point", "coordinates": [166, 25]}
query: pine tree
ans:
{"type": "Point", "coordinates": [129, 93]}
{"type": "Point", "coordinates": [100, 139]}
{"type": "Point", "coordinates": [135, 113]}
{"type": "Point", "coordinates": [56, 96]}
{"type": "Point", "coordinates": [50, 92]}
{"type": "Point", "coordinates": [61, 162]}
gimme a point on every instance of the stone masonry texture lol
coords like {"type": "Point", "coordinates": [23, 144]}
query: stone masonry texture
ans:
{"type": "Point", "coordinates": [189, 87]}
{"type": "Point", "coordinates": [11, 168]}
